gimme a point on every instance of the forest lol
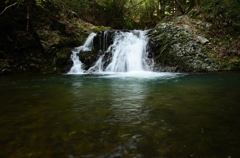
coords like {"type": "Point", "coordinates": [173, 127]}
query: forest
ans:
{"type": "Point", "coordinates": [130, 14]}
{"type": "Point", "coordinates": [25, 23]}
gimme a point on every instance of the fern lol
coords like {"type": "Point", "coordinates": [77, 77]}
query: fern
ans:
{"type": "Point", "coordinates": [6, 2]}
{"type": "Point", "coordinates": [39, 3]}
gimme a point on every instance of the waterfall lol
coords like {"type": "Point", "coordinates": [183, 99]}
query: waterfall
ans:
{"type": "Point", "coordinates": [77, 67]}
{"type": "Point", "coordinates": [127, 53]}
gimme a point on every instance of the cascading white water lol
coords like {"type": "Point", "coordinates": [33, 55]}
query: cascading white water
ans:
{"type": "Point", "coordinates": [128, 53]}
{"type": "Point", "coordinates": [77, 64]}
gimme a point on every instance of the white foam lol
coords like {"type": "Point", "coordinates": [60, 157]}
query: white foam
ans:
{"type": "Point", "coordinates": [139, 74]}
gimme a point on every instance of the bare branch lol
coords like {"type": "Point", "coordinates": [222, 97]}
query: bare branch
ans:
{"type": "Point", "coordinates": [9, 7]}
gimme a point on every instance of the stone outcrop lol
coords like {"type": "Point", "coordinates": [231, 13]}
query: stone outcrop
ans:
{"type": "Point", "coordinates": [177, 47]}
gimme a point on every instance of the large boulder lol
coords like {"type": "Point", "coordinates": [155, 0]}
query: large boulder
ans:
{"type": "Point", "coordinates": [179, 48]}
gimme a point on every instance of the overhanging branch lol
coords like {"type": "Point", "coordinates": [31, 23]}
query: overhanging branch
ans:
{"type": "Point", "coordinates": [9, 7]}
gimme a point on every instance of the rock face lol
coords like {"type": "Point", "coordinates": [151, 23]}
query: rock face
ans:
{"type": "Point", "coordinates": [177, 48]}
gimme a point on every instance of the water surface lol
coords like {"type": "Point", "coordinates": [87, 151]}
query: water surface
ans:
{"type": "Point", "coordinates": [170, 115]}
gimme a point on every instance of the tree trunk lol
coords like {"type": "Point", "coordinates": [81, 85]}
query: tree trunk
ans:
{"type": "Point", "coordinates": [28, 14]}
{"type": "Point", "coordinates": [162, 5]}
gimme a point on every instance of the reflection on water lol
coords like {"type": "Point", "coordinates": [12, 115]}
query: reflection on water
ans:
{"type": "Point", "coordinates": [120, 116]}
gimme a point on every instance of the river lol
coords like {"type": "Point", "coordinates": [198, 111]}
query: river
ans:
{"type": "Point", "coordinates": [167, 115]}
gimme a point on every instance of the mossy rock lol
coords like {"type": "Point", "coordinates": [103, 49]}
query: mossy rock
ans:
{"type": "Point", "coordinates": [176, 49]}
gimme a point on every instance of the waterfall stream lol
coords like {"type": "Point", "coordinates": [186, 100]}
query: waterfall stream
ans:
{"type": "Point", "coordinates": [77, 67]}
{"type": "Point", "coordinates": [127, 53]}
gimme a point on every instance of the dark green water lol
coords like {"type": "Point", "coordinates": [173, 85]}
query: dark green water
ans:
{"type": "Point", "coordinates": [100, 116]}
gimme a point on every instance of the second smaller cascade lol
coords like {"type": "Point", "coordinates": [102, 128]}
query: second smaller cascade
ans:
{"type": "Point", "coordinates": [77, 67]}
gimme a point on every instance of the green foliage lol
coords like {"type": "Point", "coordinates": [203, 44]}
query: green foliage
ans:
{"type": "Point", "coordinates": [39, 3]}
{"type": "Point", "coordinates": [223, 12]}
{"type": "Point", "coordinates": [6, 2]}
{"type": "Point", "coordinates": [142, 13]}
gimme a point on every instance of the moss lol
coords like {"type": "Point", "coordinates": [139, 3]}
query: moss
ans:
{"type": "Point", "coordinates": [178, 48]}
{"type": "Point", "coordinates": [63, 53]}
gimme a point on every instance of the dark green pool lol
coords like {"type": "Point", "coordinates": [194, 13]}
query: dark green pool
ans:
{"type": "Point", "coordinates": [171, 116]}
